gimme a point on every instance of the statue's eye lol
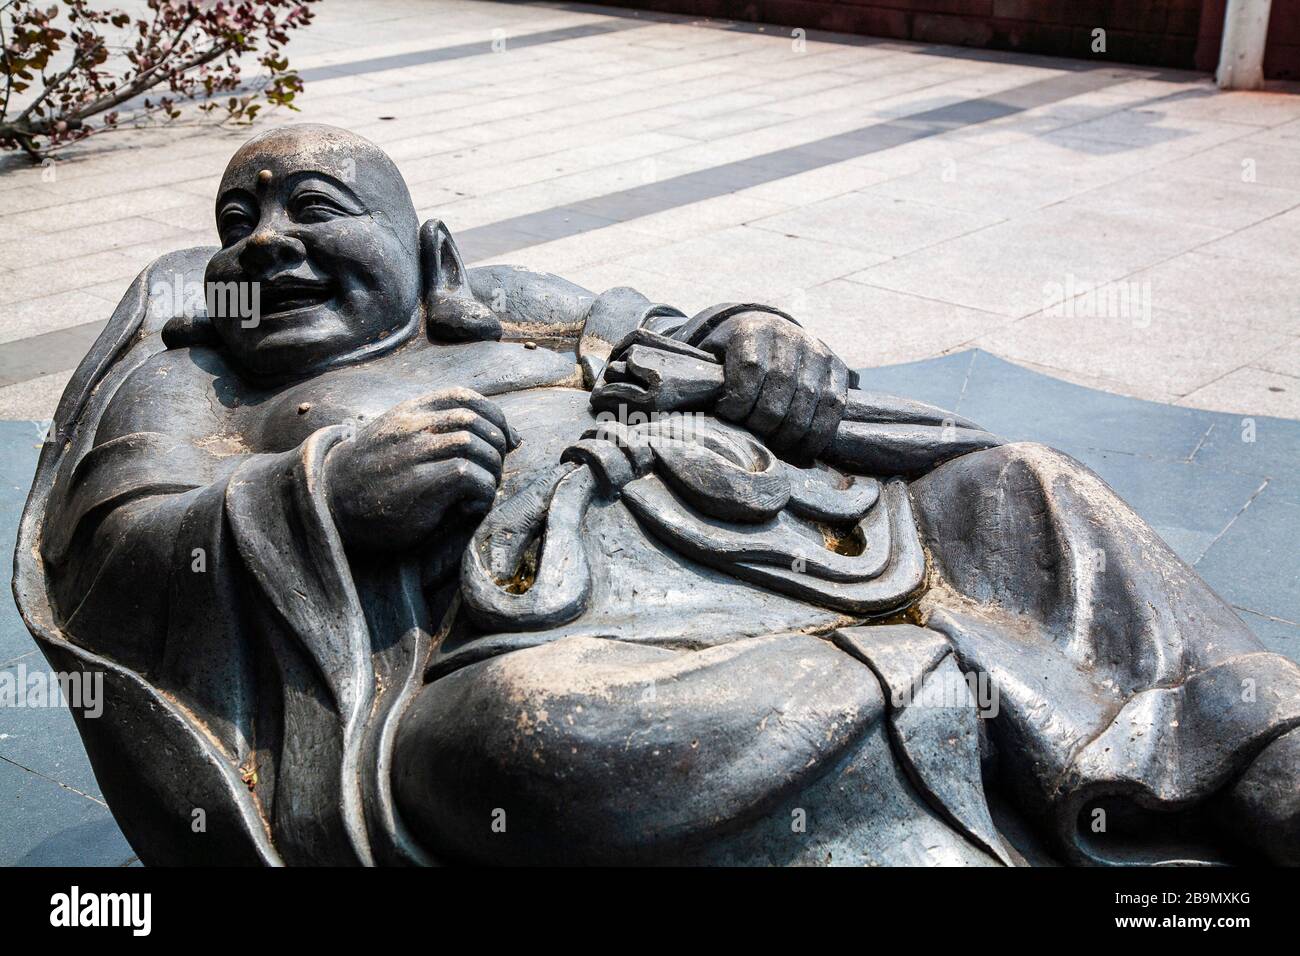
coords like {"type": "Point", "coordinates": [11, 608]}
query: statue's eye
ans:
{"type": "Point", "coordinates": [316, 207]}
{"type": "Point", "coordinates": [233, 224]}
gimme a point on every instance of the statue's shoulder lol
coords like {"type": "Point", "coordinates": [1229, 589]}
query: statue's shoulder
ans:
{"type": "Point", "coordinates": [183, 392]}
{"type": "Point", "coordinates": [527, 298]}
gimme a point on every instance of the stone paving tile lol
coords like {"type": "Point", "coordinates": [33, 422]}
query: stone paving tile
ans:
{"type": "Point", "coordinates": [565, 255]}
{"type": "Point", "coordinates": [764, 263]}
{"type": "Point", "coordinates": [1281, 637]}
{"type": "Point", "coordinates": [46, 824]}
{"type": "Point", "coordinates": [1253, 564]}
{"type": "Point", "coordinates": [867, 220]}
{"type": "Point", "coordinates": [998, 394]}
{"type": "Point", "coordinates": [47, 279]}
{"type": "Point", "coordinates": [33, 399]}
{"type": "Point", "coordinates": [1251, 293]}
{"type": "Point", "coordinates": [1143, 390]}
{"type": "Point", "coordinates": [1284, 361]}
{"type": "Point", "coordinates": [960, 183]}
{"type": "Point", "coordinates": [1021, 266]}
{"type": "Point", "coordinates": [693, 219]}
{"type": "Point", "coordinates": [43, 739]}
{"type": "Point", "coordinates": [77, 242]}
{"type": "Point", "coordinates": [1117, 347]}
{"type": "Point", "coordinates": [1228, 204]}
{"type": "Point", "coordinates": [869, 326]}
{"type": "Point", "coordinates": [1254, 445]}
{"type": "Point", "coordinates": [31, 317]}
{"type": "Point", "coordinates": [1255, 160]}
{"type": "Point", "coordinates": [1100, 170]}
{"type": "Point", "coordinates": [1159, 490]}
{"type": "Point", "coordinates": [1274, 243]}
{"type": "Point", "coordinates": [1250, 391]}
{"type": "Point", "coordinates": [690, 294]}
{"type": "Point", "coordinates": [21, 442]}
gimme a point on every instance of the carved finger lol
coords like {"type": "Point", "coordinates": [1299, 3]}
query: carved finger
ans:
{"type": "Point", "coordinates": [778, 386]}
{"type": "Point", "coordinates": [456, 483]}
{"type": "Point", "coordinates": [814, 375]}
{"type": "Point", "coordinates": [465, 419]}
{"type": "Point", "coordinates": [462, 444]}
{"type": "Point", "coordinates": [448, 398]}
{"type": "Point", "coordinates": [830, 408]}
{"type": "Point", "coordinates": [744, 368]}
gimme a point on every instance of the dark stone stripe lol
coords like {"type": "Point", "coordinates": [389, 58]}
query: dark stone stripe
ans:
{"type": "Point", "coordinates": [479, 48]}
{"type": "Point", "coordinates": [572, 219]}
{"type": "Point", "coordinates": [437, 55]}
{"type": "Point", "coordinates": [55, 351]}
{"type": "Point", "coordinates": [30, 358]}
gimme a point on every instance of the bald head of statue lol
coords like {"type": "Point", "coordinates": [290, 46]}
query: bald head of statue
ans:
{"type": "Point", "coordinates": [318, 231]}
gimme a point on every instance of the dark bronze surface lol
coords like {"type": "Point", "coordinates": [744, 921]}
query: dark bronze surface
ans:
{"type": "Point", "coordinates": [387, 560]}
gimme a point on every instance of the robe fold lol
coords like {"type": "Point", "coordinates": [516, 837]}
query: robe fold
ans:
{"type": "Point", "coordinates": [256, 672]}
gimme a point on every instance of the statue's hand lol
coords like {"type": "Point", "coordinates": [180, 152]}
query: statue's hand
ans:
{"type": "Point", "coordinates": [779, 382]}
{"type": "Point", "coordinates": [422, 461]}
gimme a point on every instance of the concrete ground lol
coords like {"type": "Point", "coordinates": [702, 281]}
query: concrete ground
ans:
{"type": "Point", "coordinates": [1127, 228]}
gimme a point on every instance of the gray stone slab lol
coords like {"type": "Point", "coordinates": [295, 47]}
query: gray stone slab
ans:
{"type": "Point", "coordinates": [20, 442]}
{"type": "Point", "coordinates": [1025, 406]}
{"type": "Point", "coordinates": [494, 240]}
{"type": "Point", "coordinates": [1255, 445]}
{"type": "Point", "coordinates": [43, 824]}
{"type": "Point", "coordinates": [54, 351]}
{"type": "Point", "coordinates": [938, 381]}
{"type": "Point", "coordinates": [1255, 563]}
{"type": "Point", "coordinates": [43, 739]}
{"type": "Point", "coordinates": [1188, 505]}
{"type": "Point", "coordinates": [1281, 637]}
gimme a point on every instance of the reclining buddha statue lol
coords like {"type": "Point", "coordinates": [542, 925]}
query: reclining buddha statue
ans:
{"type": "Point", "coordinates": [386, 560]}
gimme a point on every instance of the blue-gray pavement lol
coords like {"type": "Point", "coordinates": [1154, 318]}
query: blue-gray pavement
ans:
{"type": "Point", "coordinates": [51, 811]}
{"type": "Point", "coordinates": [1220, 488]}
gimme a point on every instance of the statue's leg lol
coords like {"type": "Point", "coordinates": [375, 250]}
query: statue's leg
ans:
{"type": "Point", "coordinates": [1263, 805]}
{"type": "Point", "coordinates": [1129, 691]}
{"type": "Point", "coordinates": [593, 750]}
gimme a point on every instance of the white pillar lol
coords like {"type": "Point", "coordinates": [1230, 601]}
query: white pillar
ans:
{"type": "Point", "coordinates": [1245, 32]}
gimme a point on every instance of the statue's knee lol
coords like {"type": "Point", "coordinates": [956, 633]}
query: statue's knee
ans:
{"type": "Point", "coordinates": [584, 750]}
{"type": "Point", "coordinates": [1263, 806]}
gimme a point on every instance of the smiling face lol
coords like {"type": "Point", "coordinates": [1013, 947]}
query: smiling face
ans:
{"type": "Point", "coordinates": [321, 221]}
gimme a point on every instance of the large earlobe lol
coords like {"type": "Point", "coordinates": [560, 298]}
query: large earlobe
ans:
{"type": "Point", "coordinates": [452, 313]}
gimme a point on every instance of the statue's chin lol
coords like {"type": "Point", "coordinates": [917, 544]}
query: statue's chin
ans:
{"type": "Point", "coordinates": [305, 341]}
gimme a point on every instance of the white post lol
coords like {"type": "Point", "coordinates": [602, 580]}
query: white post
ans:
{"type": "Point", "coordinates": [1245, 32]}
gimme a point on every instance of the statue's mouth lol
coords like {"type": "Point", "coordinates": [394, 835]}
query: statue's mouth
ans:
{"type": "Point", "coordinates": [285, 297]}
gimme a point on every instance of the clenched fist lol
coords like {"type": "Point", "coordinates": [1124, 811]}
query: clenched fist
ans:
{"type": "Point", "coordinates": [420, 462]}
{"type": "Point", "coordinates": [779, 382]}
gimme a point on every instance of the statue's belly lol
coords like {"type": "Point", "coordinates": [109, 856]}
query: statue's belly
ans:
{"type": "Point", "coordinates": [643, 592]}
{"type": "Point", "coordinates": [638, 563]}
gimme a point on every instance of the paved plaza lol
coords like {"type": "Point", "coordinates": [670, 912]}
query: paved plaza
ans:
{"type": "Point", "coordinates": [1127, 228]}
{"type": "Point", "coordinates": [1102, 257]}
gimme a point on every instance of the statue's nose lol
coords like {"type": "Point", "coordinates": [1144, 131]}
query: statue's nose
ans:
{"type": "Point", "coordinates": [268, 248]}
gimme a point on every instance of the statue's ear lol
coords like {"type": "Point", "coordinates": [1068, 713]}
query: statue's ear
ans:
{"type": "Point", "coordinates": [451, 311]}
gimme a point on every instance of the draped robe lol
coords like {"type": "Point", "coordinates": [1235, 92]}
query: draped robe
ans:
{"type": "Point", "coordinates": [256, 671]}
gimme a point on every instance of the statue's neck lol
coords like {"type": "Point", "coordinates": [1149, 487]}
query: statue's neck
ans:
{"type": "Point", "coordinates": [364, 353]}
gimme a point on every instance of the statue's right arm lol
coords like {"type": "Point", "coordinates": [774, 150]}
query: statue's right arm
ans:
{"type": "Point", "coordinates": [115, 513]}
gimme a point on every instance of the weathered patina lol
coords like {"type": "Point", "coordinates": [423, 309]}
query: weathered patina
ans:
{"type": "Point", "coordinates": [388, 560]}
